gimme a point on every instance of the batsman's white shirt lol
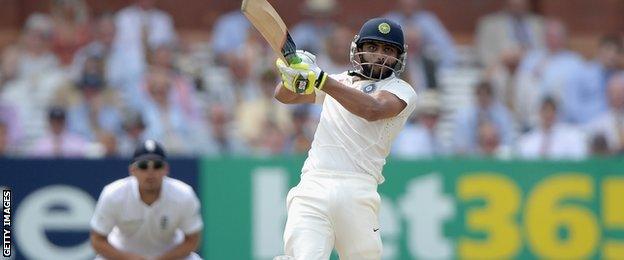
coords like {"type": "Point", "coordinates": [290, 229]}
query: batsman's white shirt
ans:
{"type": "Point", "coordinates": [344, 142]}
{"type": "Point", "coordinates": [336, 204]}
{"type": "Point", "coordinates": [148, 230]}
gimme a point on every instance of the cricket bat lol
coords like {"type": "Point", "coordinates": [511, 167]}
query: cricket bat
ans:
{"type": "Point", "coordinates": [272, 28]}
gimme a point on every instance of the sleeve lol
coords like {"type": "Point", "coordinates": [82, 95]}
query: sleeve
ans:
{"type": "Point", "coordinates": [320, 95]}
{"type": "Point", "coordinates": [103, 219]}
{"type": "Point", "coordinates": [404, 92]}
{"type": "Point", "coordinates": [192, 221]}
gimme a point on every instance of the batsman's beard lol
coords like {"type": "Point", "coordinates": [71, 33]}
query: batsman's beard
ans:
{"type": "Point", "coordinates": [376, 71]}
{"type": "Point", "coordinates": [381, 69]}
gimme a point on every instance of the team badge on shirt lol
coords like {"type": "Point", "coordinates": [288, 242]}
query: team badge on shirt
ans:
{"type": "Point", "coordinates": [163, 222]}
{"type": "Point", "coordinates": [369, 88]}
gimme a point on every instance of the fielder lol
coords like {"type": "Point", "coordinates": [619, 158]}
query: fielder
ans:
{"type": "Point", "coordinates": [336, 203]}
{"type": "Point", "coordinates": [147, 215]}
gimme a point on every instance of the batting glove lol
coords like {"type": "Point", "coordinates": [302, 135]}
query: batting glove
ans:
{"type": "Point", "coordinates": [302, 77]}
{"type": "Point", "coordinates": [294, 79]}
{"type": "Point", "coordinates": [308, 64]}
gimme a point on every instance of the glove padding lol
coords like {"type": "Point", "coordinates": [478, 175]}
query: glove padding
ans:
{"type": "Point", "coordinates": [302, 77]}
{"type": "Point", "coordinates": [294, 78]}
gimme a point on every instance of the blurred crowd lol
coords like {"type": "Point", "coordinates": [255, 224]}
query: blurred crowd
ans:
{"type": "Point", "coordinates": [77, 85]}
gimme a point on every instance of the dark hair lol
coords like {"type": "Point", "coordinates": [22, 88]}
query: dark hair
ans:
{"type": "Point", "coordinates": [549, 101]}
{"type": "Point", "coordinates": [57, 112]}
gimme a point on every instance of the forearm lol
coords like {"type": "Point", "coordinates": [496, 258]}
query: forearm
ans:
{"type": "Point", "coordinates": [182, 250]}
{"type": "Point", "coordinates": [355, 101]}
{"type": "Point", "coordinates": [288, 97]}
{"type": "Point", "coordinates": [284, 95]}
{"type": "Point", "coordinates": [105, 249]}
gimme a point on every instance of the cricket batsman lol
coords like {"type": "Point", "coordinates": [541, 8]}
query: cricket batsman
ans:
{"type": "Point", "coordinates": [336, 204]}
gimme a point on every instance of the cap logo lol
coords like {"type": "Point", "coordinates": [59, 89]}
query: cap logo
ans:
{"type": "Point", "coordinates": [150, 146]}
{"type": "Point", "coordinates": [384, 28]}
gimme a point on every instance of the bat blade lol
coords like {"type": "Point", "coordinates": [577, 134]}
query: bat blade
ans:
{"type": "Point", "coordinates": [271, 26]}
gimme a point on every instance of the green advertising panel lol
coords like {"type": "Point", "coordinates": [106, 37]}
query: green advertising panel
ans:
{"type": "Point", "coordinates": [440, 209]}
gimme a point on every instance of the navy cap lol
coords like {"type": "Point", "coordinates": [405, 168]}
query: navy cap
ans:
{"type": "Point", "coordinates": [383, 30]}
{"type": "Point", "coordinates": [149, 150]}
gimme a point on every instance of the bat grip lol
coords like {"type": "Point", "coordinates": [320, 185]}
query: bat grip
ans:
{"type": "Point", "coordinates": [293, 59]}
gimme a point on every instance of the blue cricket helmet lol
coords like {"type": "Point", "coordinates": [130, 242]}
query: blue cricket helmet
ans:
{"type": "Point", "coordinates": [383, 30]}
{"type": "Point", "coordinates": [379, 30]}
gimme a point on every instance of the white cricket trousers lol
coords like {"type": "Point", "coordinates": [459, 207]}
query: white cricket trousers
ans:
{"type": "Point", "coordinates": [330, 209]}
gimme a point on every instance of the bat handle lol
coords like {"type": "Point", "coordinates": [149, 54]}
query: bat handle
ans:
{"type": "Point", "coordinates": [293, 59]}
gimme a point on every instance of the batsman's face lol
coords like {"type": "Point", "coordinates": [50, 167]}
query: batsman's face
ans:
{"type": "Point", "coordinates": [149, 174]}
{"type": "Point", "coordinates": [380, 56]}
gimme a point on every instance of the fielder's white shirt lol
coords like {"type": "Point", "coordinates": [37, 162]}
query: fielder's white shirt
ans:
{"type": "Point", "coordinates": [345, 142]}
{"type": "Point", "coordinates": [133, 226]}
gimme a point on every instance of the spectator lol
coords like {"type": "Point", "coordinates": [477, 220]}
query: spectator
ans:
{"type": "Point", "coordinates": [421, 69]}
{"type": "Point", "coordinates": [436, 39]}
{"type": "Point", "coordinates": [163, 57]}
{"type": "Point", "coordinates": [70, 20]}
{"type": "Point", "coordinates": [133, 133]}
{"type": "Point", "coordinates": [11, 132]}
{"type": "Point", "coordinates": [489, 143]}
{"type": "Point", "coordinates": [273, 141]}
{"type": "Point", "coordinates": [255, 113]}
{"type": "Point", "coordinates": [502, 75]}
{"type": "Point", "coordinates": [552, 139]}
{"type": "Point", "coordinates": [95, 112]}
{"type": "Point", "coordinates": [34, 55]}
{"type": "Point", "coordinates": [600, 70]}
{"type": "Point", "coordinates": [610, 124]}
{"type": "Point", "coordinates": [108, 142]}
{"type": "Point", "coordinates": [599, 146]}
{"type": "Point", "coordinates": [311, 33]}
{"type": "Point", "coordinates": [140, 27]}
{"type": "Point", "coordinates": [238, 81]}
{"type": "Point", "coordinates": [59, 142]}
{"type": "Point", "coordinates": [222, 135]}
{"type": "Point", "coordinates": [101, 46]}
{"type": "Point", "coordinates": [514, 29]}
{"type": "Point", "coordinates": [35, 77]}
{"type": "Point", "coordinates": [229, 33]}
{"type": "Point", "coordinates": [165, 118]}
{"type": "Point", "coordinates": [335, 59]}
{"type": "Point", "coordinates": [9, 62]}
{"type": "Point", "coordinates": [555, 71]}
{"type": "Point", "coordinates": [300, 139]}
{"type": "Point", "coordinates": [486, 108]}
{"type": "Point", "coordinates": [419, 138]}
